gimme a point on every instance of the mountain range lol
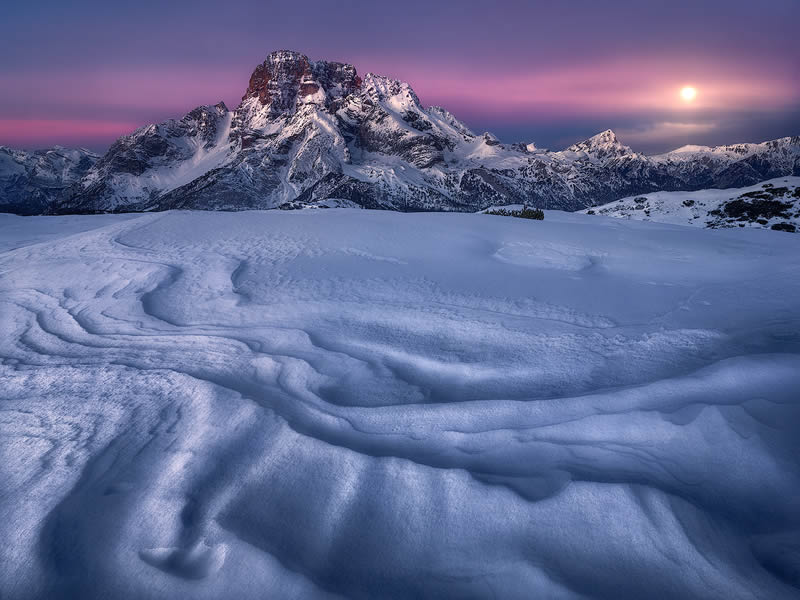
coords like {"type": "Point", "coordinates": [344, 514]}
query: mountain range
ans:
{"type": "Point", "coordinates": [315, 134]}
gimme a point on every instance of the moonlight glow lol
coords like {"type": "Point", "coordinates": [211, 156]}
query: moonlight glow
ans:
{"type": "Point", "coordinates": [688, 93]}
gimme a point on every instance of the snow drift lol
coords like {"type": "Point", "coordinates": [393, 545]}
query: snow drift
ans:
{"type": "Point", "coordinates": [344, 403]}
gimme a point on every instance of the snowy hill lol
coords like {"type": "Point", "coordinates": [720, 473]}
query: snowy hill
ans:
{"type": "Point", "coordinates": [774, 204]}
{"type": "Point", "coordinates": [309, 132]}
{"type": "Point", "coordinates": [366, 404]}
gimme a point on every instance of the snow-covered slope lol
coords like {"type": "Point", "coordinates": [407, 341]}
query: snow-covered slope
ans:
{"type": "Point", "coordinates": [314, 131]}
{"type": "Point", "coordinates": [30, 182]}
{"type": "Point", "coordinates": [774, 204]}
{"type": "Point", "coordinates": [156, 159]}
{"type": "Point", "coordinates": [365, 404]}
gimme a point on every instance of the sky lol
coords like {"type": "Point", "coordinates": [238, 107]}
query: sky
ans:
{"type": "Point", "coordinates": [83, 72]}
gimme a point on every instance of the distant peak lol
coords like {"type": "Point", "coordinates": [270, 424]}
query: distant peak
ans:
{"type": "Point", "coordinates": [604, 143]}
{"type": "Point", "coordinates": [604, 137]}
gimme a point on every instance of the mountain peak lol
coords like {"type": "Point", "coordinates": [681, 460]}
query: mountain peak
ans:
{"type": "Point", "coordinates": [286, 56]}
{"type": "Point", "coordinates": [604, 138]}
{"type": "Point", "coordinates": [276, 80]}
{"type": "Point", "coordinates": [286, 75]}
{"type": "Point", "coordinates": [604, 144]}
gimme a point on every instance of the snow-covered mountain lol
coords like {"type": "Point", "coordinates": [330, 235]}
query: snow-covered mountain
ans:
{"type": "Point", "coordinates": [30, 182]}
{"type": "Point", "coordinates": [314, 133]}
{"type": "Point", "coordinates": [774, 204]}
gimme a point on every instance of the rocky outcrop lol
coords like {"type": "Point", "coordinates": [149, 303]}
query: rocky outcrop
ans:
{"type": "Point", "coordinates": [773, 204]}
{"type": "Point", "coordinates": [285, 75]}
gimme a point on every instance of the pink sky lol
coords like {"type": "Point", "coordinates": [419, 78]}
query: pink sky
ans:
{"type": "Point", "coordinates": [86, 71]}
{"type": "Point", "coordinates": [609, 89]}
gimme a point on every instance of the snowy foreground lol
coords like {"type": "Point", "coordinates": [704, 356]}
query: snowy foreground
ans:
{"type": "Point", "coordinates": [375, 405]}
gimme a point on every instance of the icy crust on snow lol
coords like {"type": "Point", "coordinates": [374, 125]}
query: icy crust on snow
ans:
{"type": "Point", "coordinates": [362, 404]}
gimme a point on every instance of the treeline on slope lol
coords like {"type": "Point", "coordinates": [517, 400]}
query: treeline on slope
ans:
{"type": "Point", "coordinates": [525, 213]}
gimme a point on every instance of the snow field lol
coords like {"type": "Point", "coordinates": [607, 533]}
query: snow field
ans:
{"type": "Point", "coordinates": [349, 403]}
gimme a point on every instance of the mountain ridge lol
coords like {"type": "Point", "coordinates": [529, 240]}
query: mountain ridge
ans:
{"type": "Point", "coordinates": [311, 133]}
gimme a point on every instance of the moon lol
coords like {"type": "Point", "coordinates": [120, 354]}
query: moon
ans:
{"type": "Point", "coordinates": [688, 93]}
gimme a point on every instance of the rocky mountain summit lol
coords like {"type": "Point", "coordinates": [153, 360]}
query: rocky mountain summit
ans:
{"type": "Point", "coordinates": [314, 133]}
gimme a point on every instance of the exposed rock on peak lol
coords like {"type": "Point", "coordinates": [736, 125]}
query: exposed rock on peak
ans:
{"type": "Point", "coordinates": [379, 88]}
{"type": "Point", "coordinates": [490, 139]}
{"type": "Point", "coordinates": [285, 75]}
{"type": "Point", "coordinates": [604, 139]}
{"type": "Point", "coordinates": [276, 81]}
{"type": "Point", "coordinates": [602, 146]}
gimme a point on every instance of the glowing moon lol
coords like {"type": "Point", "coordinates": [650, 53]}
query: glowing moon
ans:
{"type": "Point", "coordinates": [688, 93]}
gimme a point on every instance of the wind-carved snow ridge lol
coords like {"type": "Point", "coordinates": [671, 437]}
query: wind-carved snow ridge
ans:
{"type": "Point", "coordinates": [367, 404]}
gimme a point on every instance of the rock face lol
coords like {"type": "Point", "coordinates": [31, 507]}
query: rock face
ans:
{"type": "Point", "coordinates": [313, 133]}
{"type": "Point", "coordinates": [285, 75]}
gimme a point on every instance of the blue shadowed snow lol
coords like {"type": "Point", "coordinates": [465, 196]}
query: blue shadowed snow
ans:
{"type": "Point", "coordinates": [344, 403]}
